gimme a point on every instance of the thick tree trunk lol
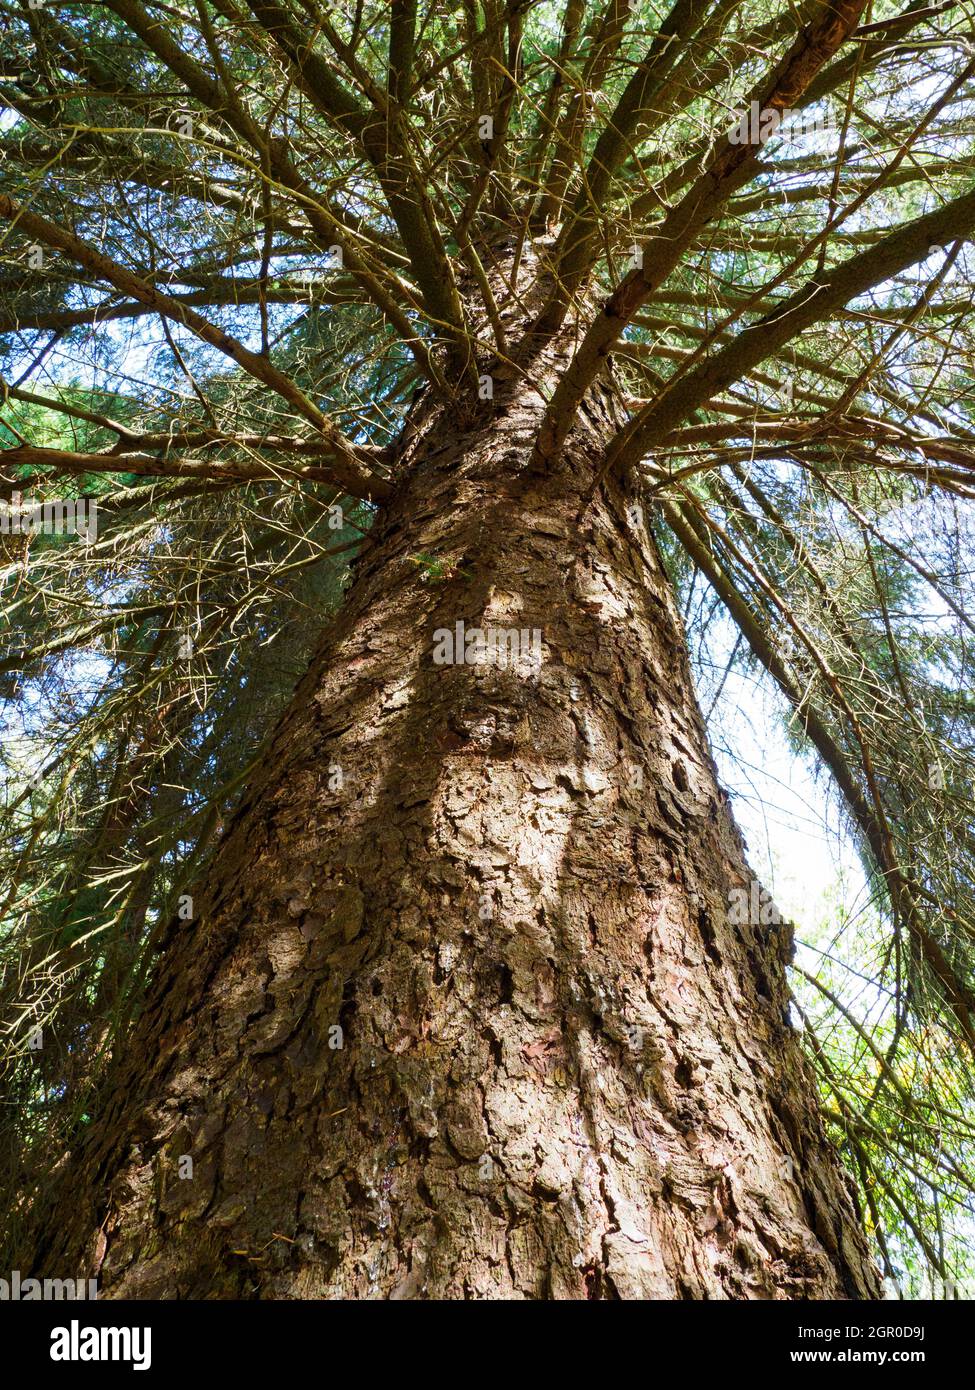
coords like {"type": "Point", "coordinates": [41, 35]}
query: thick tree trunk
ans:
{"type": "Point", "coordinates": [563, 1071]}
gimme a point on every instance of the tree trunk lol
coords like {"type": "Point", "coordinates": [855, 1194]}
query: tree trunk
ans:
{"type": "Point", "coordinates": [462, 1011]}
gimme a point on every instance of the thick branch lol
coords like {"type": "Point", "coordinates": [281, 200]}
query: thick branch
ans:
{"type": "Point", "coordinates": [733, 165]}
{"type": "Point", "coordinates": [812, 304]}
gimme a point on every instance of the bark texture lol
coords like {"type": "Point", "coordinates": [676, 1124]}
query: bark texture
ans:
{"type": "Point", "coordinates": [564, 1072]}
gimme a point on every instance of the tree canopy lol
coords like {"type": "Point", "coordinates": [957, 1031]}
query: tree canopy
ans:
{"type": "Point", "coordinates": [241, 242]}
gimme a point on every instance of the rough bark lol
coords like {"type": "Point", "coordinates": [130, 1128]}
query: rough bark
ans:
{"type": "Point", "coordinates": [565, 1072]}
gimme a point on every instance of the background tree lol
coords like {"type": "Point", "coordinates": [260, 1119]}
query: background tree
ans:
{"type": "Point", "coordinates": [414, 980]}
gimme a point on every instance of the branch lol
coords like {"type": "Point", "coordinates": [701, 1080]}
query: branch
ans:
{"type": "Point", "coordinates": [815, 302]}
{"type": "Point", "coordinates": [347, 467]}
{"type": "Point", "coordinates": [869, 820]}
{"type": "Point", "coordinates": [160, 465]}
{"type": "Point", "coordinates": [732, 166]}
